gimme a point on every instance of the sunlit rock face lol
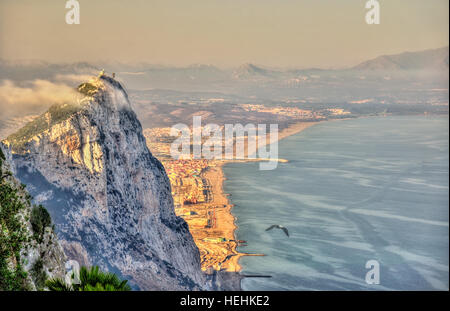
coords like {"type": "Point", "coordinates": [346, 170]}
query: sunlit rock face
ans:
{"type": "Point", "coordinates": [109, 197]}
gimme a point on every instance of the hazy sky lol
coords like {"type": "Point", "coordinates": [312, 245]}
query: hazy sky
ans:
{"type": "Point", "coordinates": [294, 33]}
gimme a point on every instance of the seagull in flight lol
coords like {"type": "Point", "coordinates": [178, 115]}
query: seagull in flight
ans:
{"type": "Point", "coordinates": [279, 227]}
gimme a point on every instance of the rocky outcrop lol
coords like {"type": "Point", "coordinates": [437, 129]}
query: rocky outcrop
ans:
{"type": "Point", "coordinates": [29, 249]}
{"type": "Point", "coordinates": [108, 196]}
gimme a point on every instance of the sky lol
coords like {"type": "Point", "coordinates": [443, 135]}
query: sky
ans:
{"type": "Point", "coordinates": [225, 33]}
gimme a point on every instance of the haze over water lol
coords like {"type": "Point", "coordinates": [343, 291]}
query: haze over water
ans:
{"type": "Point", "coordinates": [353, 191]}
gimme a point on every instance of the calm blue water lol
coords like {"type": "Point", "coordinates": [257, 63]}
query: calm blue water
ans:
{"type": "Point", "coordinates": [353, 191]}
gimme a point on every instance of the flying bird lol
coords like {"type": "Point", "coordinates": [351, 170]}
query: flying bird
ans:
{"type": "Point", "coordinates": [279, 227]}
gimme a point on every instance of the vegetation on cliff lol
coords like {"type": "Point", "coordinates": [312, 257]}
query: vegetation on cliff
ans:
{"type": "Point", "coordinates": [13, 232]}
{"type": "Point", "coordinates": [40, 219]}
{"type": "Point", "coordinates": [16, 238]}
{"type": "Point", "coordinates": [55, 114]}
{"type": "Point", "coordinates": [87, 89]}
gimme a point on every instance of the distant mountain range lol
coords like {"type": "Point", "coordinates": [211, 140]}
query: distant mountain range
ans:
{"type": "Point", "coordinates": [427, 68]}
{"type": "Point", "coordinates": [248, 70]}
{"type": "Point", "coordinates": [428, 60]}
{"type": "Point", "coordinates": [436, 59]}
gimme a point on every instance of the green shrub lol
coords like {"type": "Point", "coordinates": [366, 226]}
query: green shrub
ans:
{"type": "Point", "coordinates": [87, 89]}
{"type": "Point", "coordinates": [13, 236]}
{"type": "Point", "coordinates": [2, 158]}
{"type": "Point", "coordinates": [40, 219]}
{"type": "Point", "coordinates": [38, 274]}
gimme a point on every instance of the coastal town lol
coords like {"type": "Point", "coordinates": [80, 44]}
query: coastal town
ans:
{"type": "Point", "coordinates": [197, 189]}
{"type": "Point", "coordinates": [199, 200]}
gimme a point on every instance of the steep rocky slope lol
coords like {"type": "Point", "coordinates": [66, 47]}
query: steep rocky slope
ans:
{"type": "Point", "coordinates": [110, 199]}
{"type": "Point", "coordinates": [29, 250]}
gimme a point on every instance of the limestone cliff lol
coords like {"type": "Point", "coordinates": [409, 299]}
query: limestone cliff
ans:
{"type": "Point", "coordinates": [110, 199]}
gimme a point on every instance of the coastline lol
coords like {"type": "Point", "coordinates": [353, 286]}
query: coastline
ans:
{"type": "Point", "coordinates": [225, 217]}
{"type": "Point", "coordinates": [200, 198]}
{"type": "Point", "coordinates": [232, 264]}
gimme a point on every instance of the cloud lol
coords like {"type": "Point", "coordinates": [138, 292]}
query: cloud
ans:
{"type": "Point", "coordinates": [18, 100]}
{"type": "Point", "coordinates": [128, 73]}
{"type": "Point", "coordinates": [73, 78]}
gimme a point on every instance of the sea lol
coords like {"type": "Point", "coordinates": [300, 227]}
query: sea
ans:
{"type": "Point", "coordinates": [365, 202]}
